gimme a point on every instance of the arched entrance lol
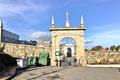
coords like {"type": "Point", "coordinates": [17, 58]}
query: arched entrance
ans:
{"type": "Point", "coordinates": [76, 33]}
{"type": "Point", "coordinates": [68, 47]}
{"type": "Point", "coordinates": [67, 50]}
{"type": "Point", "coordinates": [78, 36]}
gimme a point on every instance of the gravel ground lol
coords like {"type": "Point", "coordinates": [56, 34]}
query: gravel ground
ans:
{"type": "Point", "coordinates": [68, 73]}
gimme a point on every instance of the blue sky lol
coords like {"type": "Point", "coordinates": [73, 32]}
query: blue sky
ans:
{"type": "Point", "coordinates": [32, 18]}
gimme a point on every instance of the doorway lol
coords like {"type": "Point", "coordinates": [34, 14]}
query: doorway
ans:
{"type": "Point", "coordinates": [69, 52]}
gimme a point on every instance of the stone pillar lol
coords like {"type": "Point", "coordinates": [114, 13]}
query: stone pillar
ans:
{"type": "Point", "coordinates": [81, 60]}
{"type": "Point", "coordinates": [53, 57]}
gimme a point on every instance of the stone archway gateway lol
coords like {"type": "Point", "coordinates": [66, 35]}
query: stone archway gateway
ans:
{"type": "Point", "coordinates": [67, 48]}
{"type": "Point", "coordinates": [77, 33]}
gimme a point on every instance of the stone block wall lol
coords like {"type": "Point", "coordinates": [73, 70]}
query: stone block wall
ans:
{"type": "Point", "coordinates": [93, 57]}
{"type": "Point", "coordinates": [17, 50]}
{"type": "Point", "coordinates": [103, 57]}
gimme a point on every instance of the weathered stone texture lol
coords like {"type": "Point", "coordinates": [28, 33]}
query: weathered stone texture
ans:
{"type": "Point", "coordinates": [103, 57]}
{"type": "Point", "coordinates": [17, 50]}
{"type": "Point", "coordinates": [77, 35]}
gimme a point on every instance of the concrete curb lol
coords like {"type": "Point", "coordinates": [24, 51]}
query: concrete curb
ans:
{"type": "Point", "coordinates": [105, 65]}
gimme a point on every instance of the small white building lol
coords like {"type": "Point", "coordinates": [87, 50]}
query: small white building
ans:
{"type": "Point", "coordinates": [68, 49]}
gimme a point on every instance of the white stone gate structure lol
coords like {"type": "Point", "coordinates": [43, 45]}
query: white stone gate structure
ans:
{"type": "Point", "coordinates": [77, 33]}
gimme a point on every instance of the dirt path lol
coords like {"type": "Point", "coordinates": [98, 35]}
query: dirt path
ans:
{"type": "Point", "coordinates": [69, 73]}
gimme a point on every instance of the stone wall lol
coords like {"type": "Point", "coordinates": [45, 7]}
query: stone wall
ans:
{"type": "Point", "coordinates": [17, 50]}
{"type": "Point", "coordinates": [93, 57]}
{"type": "Point", "coordinates": [103, 57]}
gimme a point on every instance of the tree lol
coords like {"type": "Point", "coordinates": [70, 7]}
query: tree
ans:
{"type": "Point", "coordinates": [86, 50]}
{"type": "Point", "coordinates": [97, 48]}
{"type": "Point", "coordinates": [34, 43]}
{"type": "Point", "coordinates": [112, 48]}
{"type": "Point", "coordinates": [118, 48]}
{"type": "Point", "coordinates": [24, 42]}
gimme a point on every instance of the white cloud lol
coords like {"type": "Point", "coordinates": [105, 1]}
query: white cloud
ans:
{"type": "Point", "coordinates": [106, 35]}
{"type": "Point", "coordinates": [41, 36]}
{"type": "Point", "coordinates": [13, 8]}
{"type": "Point", "coordinates": [88, 41]}
{"type": "Point", "coordinates": [28, 10]}
{"type": "Point", "coordinates": [110, 26]}
{"type": "Point", "coordinates": [9, 9]}
{"type": "Point", "coordinates": [19, 7]}
{"type": "Point", "coordinates": [27, 13]}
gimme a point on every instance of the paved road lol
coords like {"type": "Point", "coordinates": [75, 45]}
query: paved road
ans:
{"type": "Point", "coordinates": [68, 73]}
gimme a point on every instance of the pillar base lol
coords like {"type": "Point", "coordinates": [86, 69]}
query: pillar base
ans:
{"type": "Point", "coordinates": [53, 63]}
{"type": "Point", "coordinates": [82, 61]}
